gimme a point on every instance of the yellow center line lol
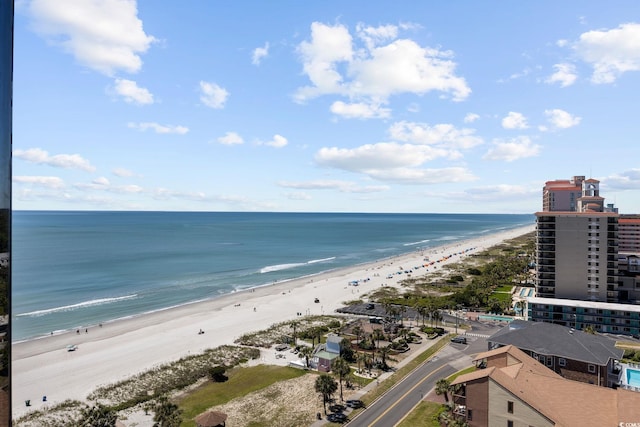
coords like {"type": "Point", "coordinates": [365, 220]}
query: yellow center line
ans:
{"type": "Point", "coordinates": [405, 395]}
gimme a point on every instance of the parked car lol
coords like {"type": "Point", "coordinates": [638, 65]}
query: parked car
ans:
{"type": "Point", "coordinates": [459, 340]}
{"type": "Point", "coordinates": [370, 306]}
{"type": "Point", "coordinates": [355, 403]}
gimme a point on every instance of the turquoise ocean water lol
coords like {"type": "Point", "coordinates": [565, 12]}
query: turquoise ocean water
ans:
{"type": "Point", "coordinates": [75, 269]}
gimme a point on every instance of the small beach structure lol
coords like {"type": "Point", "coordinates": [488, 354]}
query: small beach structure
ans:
{"type": "Point", "coordinates": [211, 419]}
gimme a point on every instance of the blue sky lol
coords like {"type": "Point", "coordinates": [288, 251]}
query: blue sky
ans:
{"type": "Point", "coordinates": [328, 106]}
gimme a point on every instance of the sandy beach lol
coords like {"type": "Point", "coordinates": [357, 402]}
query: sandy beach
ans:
{"type": "Point", "coordinates": [120, 349]}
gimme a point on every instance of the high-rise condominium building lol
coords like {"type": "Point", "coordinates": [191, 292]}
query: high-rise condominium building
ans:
{"type": "Point", "coordinates": [576, 248]}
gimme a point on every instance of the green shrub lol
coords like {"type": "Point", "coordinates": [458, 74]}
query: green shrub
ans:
{"type": "Point", "coordinates": [217, 374]}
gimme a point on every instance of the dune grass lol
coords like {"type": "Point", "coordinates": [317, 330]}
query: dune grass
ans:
{"type": "Point", "coordinates": [242, 381]}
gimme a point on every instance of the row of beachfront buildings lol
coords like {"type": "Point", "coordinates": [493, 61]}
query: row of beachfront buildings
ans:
{"type": "Point", "coordinates": [587, 260]}
{"type": "Point", "coordinates": [545, 371]}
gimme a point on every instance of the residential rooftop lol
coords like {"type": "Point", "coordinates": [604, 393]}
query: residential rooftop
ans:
{"type": "Point", "coordinates": [556, 340]}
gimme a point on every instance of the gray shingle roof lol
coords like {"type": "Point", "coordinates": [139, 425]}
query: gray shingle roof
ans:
{"type": "Point", "coordinates": [556, 340]}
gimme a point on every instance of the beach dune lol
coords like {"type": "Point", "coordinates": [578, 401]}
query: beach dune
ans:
{"type": "Point", "coordinates": [120, 349]}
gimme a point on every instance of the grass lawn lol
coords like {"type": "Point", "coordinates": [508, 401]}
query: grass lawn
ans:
{"type": "Point", "coordinates": [504, 288]}
{"type": "Point", "coordinates": [501, 296]}
{"type": "Point", "coordinates": [630, 345]}
{"type": "Point", "coordinates": [242, 381]}
{"type": "Point", "coordinates": [424, 415]}
{"type": "Point", "coordinates": [462, 372]}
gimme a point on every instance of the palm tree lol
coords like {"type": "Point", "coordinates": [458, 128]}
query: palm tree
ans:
{"type": "Point", "coordinates": [422, 311]}
{"type": "Point", "coordinates": [368, 361]}
{"type": "Point", "coordinates": [341, 369]}
{"type": "Point", "coordinates": [436, 315]}
{"type": "Point", "coordinates": [326, 386]}
{"type": "Point", "coordinates": [167, 414]}
{"type": "Point", "coordinates": [443, 386]}
{"type": "Point", "coordinates": [377, 335]}
{"type": "Point", "coordinates": [294, 325]}
{"type": "Point", "coordinates": [306, 351]}
{"type": "Point", "coordinates": [98, 416]}
{"type": "Point", "coordinates": [361, 358]}
{"type": "Point", "coordinates": [402, 310]}
{"type": "Point", "coordinates": [357, 331]}
{"type": "Point", "coordinates": [384, 352]}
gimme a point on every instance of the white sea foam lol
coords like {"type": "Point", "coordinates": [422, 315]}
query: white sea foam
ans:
{"type": "Point", "coordinates": [100, 301]}
{"type": "Point", "coordinates": [416, 243]}
{"type": "Point", "coordinates": [278, 267]}
{"type": "Point", "coordinates": [315, 261]}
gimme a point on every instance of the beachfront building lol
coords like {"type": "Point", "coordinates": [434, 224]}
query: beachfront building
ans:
{"type": "Point", "coordinates": [629, 278]}
{"type": "Point", "coordinates": [576, 243]}
{"type": "Point", "coordinates": [562, 194]}
{"type": "Point", "coordinates": [618, 319]}
{"type": "Point", "coordinates": [512, 389]}
{"type": "Point", "coordinates": [629, 234]}
{"type": "Point", "coordinates": [326, 353]}
{"type": "Point", "coordinates": [577, 255]}
{"type": "Point", "coordinates": [574, 355]}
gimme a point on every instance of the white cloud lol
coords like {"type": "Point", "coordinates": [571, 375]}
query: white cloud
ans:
{"type": "Point", "coordinates": [374, 36]}
{"type": "Point", "coordinates": [383, 155]}
{"type": "Point", "coordinates": [123, 173]}
{"type": "Point", "coordinates": [565, 74]}
{"type": "Point", "coordinates": [259, 53]}
{"type": "Point", "coordinates": [104, 35]}
{"type": "Point", "coordinates": [495, 193]}
{"type": "Point", "coordinates": [298, 196]}
{"type": "Point", "coordinates": [514, 149]}
{"type": "Point", "coordinates": [440, 134]}
{"type": "Point", "coordinates": [627, 180]}
{"type": "Point", "coordinates": [514, 120]}
{"type": "Point", "coordinates": [342, 186]}
{"type": "Point", "coordinates": [424, 176]}
{"type": "Point", "coordinates": [471, 117]}
{"type": "Point", "coordinates": [103, 184]}
{"type": "Point", "coordinates": [213, 95]}
{"type": "Point", "coordinates": [132, 93]}
{"type": "Point", "coordinates": [383, 67]}
{"type": "Point", "coordinates": [66, 161]}
{"type": "Point", "coordinates": [158, 128]}
{"type": "Point", "coordinates": [560, 119]}
{"type": "Point", "coordinates": [328, 46]}
{"type": "Point", "coordinates": [44, 181]}
{"type": "Point", "coordinates": [414, 107]}
{"type": "Point", "coordinates": [359, 110]}
{"type": "Point", "coordinates": [610, 52]}
{"type": "Point", "coordinates": [231, 138]}
{"type": "Point", "coordinates": [101, 181]}
{"type": "Point", "coordinates": [278, 141]}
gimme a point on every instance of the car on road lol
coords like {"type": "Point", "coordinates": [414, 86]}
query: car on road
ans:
{"type": "Point", "coordinates": [459, 340]}
{"type": "Point", "coordinates": [337, 418]}
{"type": "Point", "coordinates": [354, 403]}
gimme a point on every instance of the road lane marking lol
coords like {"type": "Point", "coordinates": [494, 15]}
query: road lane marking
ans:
{"type": "Point", "coordinates": [405, 395]}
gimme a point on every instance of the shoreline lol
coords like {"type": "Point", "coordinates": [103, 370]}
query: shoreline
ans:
{"type": "Point", "coordinates": [124, 347]}
{"type": "Point", "coordinates": [442, 244]}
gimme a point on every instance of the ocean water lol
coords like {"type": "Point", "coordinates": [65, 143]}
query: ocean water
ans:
{"type": "Point", "coordinates": [75, 269]}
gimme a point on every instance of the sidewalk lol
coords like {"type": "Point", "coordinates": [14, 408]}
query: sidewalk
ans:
{"type": "Point", "coordinates": [413, 353]}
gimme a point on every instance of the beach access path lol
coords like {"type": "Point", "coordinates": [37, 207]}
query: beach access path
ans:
{"type": "Point", "coordinates": [120, 349]}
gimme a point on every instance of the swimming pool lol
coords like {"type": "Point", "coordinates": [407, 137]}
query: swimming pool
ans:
{"type": "Point", "coordinates": [633, 377]}
{"type": "Point", "coordinates": [494, 318]}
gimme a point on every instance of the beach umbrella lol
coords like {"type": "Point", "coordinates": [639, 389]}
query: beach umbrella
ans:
{"type": "Point", "coordinates": [211, 419]}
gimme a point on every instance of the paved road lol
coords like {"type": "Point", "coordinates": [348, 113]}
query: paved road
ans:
{"type": "Point", "coordinates": [401, 399]}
